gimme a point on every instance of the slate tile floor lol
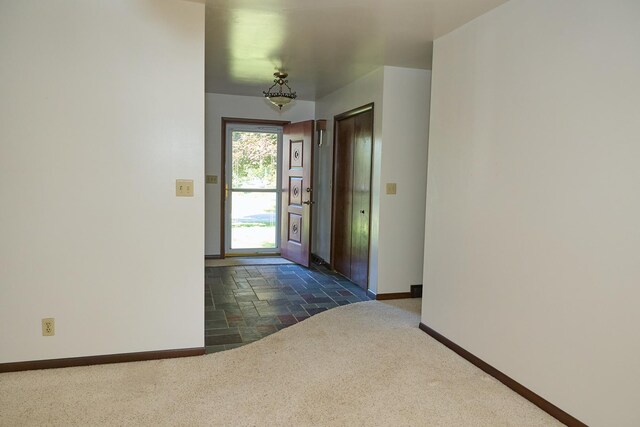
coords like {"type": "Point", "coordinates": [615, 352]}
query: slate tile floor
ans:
{"type": "Point", "coordinates": [246, 303]}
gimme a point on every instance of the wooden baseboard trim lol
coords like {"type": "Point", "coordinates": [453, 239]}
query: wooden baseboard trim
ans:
{"type": "Point", "coordinates": [416, 291]}
{"type": "Point", "coordinates": [100, 360]}
{"type": "Point", "coordinates": [213, 257]}
{"type": "Point", "coordinates": [534, 398]}
{"type": "Point", "coordinates": [316, 259]}
{"type": "Point", "coordinates": [384, 297]}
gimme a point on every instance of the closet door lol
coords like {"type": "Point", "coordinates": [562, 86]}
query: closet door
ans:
{"type": "Point", "coordinates": [342, 196]}
{"type": "Point", "coordinates": [353, 145]}
{"type": "Point", "coordinates": [362, 149]}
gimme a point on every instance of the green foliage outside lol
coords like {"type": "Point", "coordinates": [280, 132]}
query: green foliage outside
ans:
{"type": "Point", "coordinates": [255, 157]}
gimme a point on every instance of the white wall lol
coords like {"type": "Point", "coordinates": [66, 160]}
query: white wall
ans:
{"type": "Point", "coordinates": [401, 129]}
{"type": "Point", "coordinates": [362, 91]}
{"type": "Point", "coordinates": [101, 110]}
{"type": "Point", "coordinates": [244, 107]}
{"type": "Point", "coordinates": [405, 135]}
{"type": "Point", "coordinates": [532, 256]}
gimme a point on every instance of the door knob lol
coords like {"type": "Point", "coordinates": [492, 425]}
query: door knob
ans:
{"type": "Point", "coordinates": [308, 202]}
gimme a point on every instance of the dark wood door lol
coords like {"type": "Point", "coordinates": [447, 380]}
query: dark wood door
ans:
{"type": "Point", "coordinates": [353, 146]}
{"type": "Point", "coordinates": [343, 200]}
{"type": "Point", "coordinates": [361, 198]}
{"type": "Point", "coordinates": [297, 192]}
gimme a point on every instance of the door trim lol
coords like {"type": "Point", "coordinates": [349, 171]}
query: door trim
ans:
{"type": "Point", "coordinates": [337, 118]}
{"type": "Point", "coordinates": [354, 112]}
{"type": "Point", "coordinates": [223, 166]}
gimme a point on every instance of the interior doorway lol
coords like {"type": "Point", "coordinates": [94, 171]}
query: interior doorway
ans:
{"type": "Point", "coordinates": [351, 194]}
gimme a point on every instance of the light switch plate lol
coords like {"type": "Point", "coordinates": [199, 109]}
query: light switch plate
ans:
{"type": "Point", "coordinates": [212, 179]}
{"type": "Point", "coordinates": [184, 187]}
{"type": "Point", "coordinates": [391, 188]}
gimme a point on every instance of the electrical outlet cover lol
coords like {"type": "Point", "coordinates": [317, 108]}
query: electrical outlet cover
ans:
{"type": "Point", "coordinates": [48, 327]}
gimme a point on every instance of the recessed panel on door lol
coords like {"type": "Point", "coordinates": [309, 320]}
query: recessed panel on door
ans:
{"type": "Point", "coordinates": [295, 191]}
{"type": "Point", "coordinates": [295, 228]}
{"type": "Point", "coordinates": [296, 155]}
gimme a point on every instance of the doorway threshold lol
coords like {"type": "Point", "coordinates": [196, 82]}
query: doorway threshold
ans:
{"type": "Point", "coordinates": [246, 260]}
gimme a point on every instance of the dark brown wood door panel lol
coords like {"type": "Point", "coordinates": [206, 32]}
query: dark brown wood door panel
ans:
{"type": "Point", "coordinates": [343, 197]}
{"type": "Point", "coordinates": [361, 198]}
{"type": "Point", "coordinates": [297, 192]}
{"type": "Point", "coordinates": [353, 148]}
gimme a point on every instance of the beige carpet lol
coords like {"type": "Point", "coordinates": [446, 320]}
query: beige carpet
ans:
{"type": "Point", "coordinates": [361, 364]}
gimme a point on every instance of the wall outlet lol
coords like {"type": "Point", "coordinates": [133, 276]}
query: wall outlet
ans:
{"type": "Point", "coordinates": [48, 327]}
{"type": "Point", "coordinates": [184, 187]}
{"type": "Point", "coordinates": [212, 179]}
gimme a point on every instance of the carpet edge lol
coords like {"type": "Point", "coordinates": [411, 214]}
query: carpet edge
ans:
{"type": "Point", "coordinates": [523, 391]}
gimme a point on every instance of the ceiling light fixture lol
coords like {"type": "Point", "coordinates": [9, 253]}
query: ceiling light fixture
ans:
{"type": "Point", "coordinates": [277, 95]}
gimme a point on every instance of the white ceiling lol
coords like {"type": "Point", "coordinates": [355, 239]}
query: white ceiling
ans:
{"type": "Point", "coordinates": [323, 44]}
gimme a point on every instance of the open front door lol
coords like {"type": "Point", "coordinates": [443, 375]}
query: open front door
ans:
{"type": "Point", "coordinates": [297, 192]}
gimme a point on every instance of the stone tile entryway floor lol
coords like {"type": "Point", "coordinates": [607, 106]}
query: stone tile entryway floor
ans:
{"type": "Point", "coordinates": [246, 303]}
